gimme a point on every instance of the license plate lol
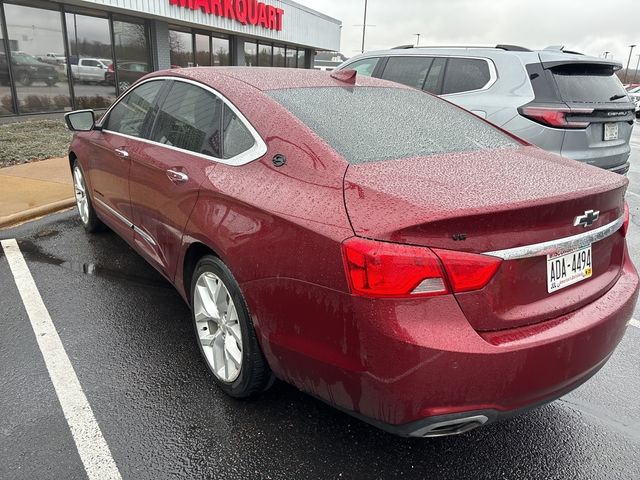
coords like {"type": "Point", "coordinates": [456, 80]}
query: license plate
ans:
{"type": "Point", "coordinates": [568, 267]}
{"type": "Point", "coordinates": [610, 131]}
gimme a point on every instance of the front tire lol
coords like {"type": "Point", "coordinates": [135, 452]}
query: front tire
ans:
{"type": "Point", "coordinates": [225, 332]}
{"type": "Point", "coordinates": [90, 220]}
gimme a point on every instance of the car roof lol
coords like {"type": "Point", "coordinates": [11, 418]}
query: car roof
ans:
{"type": "Point", "coordinates": [272, 78]}
{"type": "Point", "coordinates": [551, 54]}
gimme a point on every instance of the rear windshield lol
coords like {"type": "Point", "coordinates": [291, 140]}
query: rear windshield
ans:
{"type": "Point", "coordinates": [588, 84]}
{"type": "Point", "coordinates": [366, 124]}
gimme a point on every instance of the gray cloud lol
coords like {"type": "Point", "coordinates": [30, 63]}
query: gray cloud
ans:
{"type": "Point", "coordinates": [588, 26]}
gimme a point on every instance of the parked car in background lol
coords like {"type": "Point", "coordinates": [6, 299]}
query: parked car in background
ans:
{"type": "Point", "coordinates": [90, 69]}
{"type": "Point", "coordinates": [128, 73]}
{"type": "Point", "coordinates": [28, 69]}
{"type": "Point", "coordinates": [377, 247]}
{"type": "Point", "coordinates": [564, 102]}
{"type": "Point", "coordinates": [53, 58]}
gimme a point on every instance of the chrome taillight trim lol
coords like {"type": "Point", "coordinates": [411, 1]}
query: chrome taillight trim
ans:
{"type": "Point", "coordinates": [554, 246]}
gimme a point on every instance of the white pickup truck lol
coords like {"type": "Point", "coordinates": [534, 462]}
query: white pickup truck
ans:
{"type": "Point", "coordinates": [90, 70]}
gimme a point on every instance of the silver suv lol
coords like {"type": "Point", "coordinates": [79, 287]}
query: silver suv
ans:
{"type": "Point", "coordinates": [562, 101]}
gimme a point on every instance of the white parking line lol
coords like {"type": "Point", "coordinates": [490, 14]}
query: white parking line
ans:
{"type": "Point", "coordinates": [92, 447]}
{"type": "Point", "coordinates": [633, 193]}
{"type": "Point", "coordinates": [634, 323]}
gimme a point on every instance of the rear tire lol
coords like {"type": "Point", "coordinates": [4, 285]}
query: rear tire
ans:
{"type": "Point", "coordinates": [88, 216]}
{"type": "Point", "coordinates": [224, 331]}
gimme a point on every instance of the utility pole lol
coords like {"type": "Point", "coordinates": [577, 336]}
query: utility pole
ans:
{"type": "Point", "coordinates": [364, 24]}
{"type": "Point", "coordinates": [606, 54]}
{"type": "Point", "coordinates": [636, 71]}
{"type": "Point", "coordinates": [418, 40]}
{"type": "Point", "coordinates": [626, 73]}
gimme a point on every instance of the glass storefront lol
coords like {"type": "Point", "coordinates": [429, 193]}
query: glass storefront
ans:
{"type": "Point", "coordinates": [6, 97]}
{"type": "Point", "coordinates": [90, 59]}
{"type": "Point", "coordinates": [180, 49]}
{"type": "Point", "coordinates": [278, 56]}
{"type": "Point", "coordinates": [221, 51]}
{"type": "Point", "coordinates": [131, 46]}
{"type": "Point", "coordinates": [203, 50]}
{"type": "Point", "coordinates": [55, 58]}
{"type": "Point", "coordinates": [37, 60]}
{"type": "Point", "coordinates": [250, 54]}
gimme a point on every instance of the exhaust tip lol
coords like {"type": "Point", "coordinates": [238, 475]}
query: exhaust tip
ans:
{"type": "Point", "coordinates": [451, 427]}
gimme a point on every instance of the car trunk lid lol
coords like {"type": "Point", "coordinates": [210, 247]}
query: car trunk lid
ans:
{"type": "Point", "coordinates": [488, 201]}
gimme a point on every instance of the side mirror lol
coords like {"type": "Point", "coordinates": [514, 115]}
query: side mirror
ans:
{"type": "Point", "coordinates": [80, 120]}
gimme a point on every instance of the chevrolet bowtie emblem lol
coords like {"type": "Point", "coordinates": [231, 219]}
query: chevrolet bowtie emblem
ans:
{"type": "Point", "coordinates": [588, 219]}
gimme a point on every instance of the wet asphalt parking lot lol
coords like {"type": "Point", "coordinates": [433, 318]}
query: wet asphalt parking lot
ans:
{"type": "Point", "coordinates": [128, 337]}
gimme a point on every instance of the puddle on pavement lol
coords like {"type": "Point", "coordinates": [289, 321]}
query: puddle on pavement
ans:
{"type": "Point", "coordinates": [33, 254]}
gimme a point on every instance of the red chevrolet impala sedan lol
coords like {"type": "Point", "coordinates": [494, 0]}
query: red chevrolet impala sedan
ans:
{"type": "Point", "coordinates": [370, 244]}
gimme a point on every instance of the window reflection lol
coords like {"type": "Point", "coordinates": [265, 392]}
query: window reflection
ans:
{"type": "Point", "coordinates": [250, 54]}
{"type": "Point", "coordinates": [221, 51]}
{"type": "Point", "coordinates": [132, 54]}
{"type": "Point", "coordinates": [37, 62]}
{"type": "Point", "coordinates": [302, 57]}
{"type": "Point", "coordinates": [6, 100]}
{"type": "Point", "coordinates": [292, 56]}
{"type": "Point", "coordinates": [90, 58]}
{"type": "Point", "coordinates": [180, 49]}
{"type": "Point", "coordinates": [278, 56]}
{"type": "Point", "coordinates": [265, 54]}
{"type": "Point", "coordinates": [203, 51]}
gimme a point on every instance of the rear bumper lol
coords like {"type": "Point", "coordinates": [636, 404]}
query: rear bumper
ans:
{"type": "Point", "coordinates": [405, 364]}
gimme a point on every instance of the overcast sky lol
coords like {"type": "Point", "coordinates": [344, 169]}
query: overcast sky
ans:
{"type": "Point", "coordinates": [588, 26]}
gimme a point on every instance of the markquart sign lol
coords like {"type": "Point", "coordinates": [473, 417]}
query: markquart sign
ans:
{"type": "Point", "coordinates": [246, 12]}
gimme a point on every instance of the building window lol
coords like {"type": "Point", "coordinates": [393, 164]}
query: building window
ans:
{"type": "Point", "coordinates": [6, 97]}
{"type": "Point", "coordinates": [302, 58]}
{"type": "Point", "coordinates": [132, 53]}
{"type": "Point", "coordinates": [203, 50]}
{"type": "Point", "coordinates": [265, 55]}
{"type": "Point", "coordinates": [250, 54]}
{"type": "Point", "coordinates": [90, 60]}
{"type": "Point", "coordinates": [278, 56]}
{"type": "Point", "coordinates": [292, 56]}
{"type": "Point", "coordinates": [37, 60]}
{"type": "Point", "coordinates": [221, 55]}
{"type": "Point", "coordinates": [180, 49]}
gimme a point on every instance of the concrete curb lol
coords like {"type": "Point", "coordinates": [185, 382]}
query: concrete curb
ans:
{"type": "Point", "coordinates": [30, 214]}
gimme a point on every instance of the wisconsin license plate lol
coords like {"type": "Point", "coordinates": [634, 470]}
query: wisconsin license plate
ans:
{"type": "Point", "coordinates": [610, 131]}
{"type": "Point", "coordinates": [568, 267]}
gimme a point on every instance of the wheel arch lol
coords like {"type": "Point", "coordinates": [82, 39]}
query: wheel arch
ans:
{"type": "Point", "coordinates": [194, 252]}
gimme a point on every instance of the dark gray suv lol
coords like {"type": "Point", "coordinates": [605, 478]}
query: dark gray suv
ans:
{"type": "Point", "coordinates": [564, 102]}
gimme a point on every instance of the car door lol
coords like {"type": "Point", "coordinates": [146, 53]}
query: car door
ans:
{"type": "Point", "coordinates": [90, 70]}
{"type": "Point", "coordinates": [110, 163]}
{"type": "Point", "coordinates": [166, 172]}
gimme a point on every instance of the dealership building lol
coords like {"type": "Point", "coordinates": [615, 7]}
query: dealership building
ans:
{"type": "Point", "coordinates": [72, 54]}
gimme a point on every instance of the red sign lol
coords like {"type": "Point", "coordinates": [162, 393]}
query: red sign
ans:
{"type": "Point", "coordinates": [250, 12]}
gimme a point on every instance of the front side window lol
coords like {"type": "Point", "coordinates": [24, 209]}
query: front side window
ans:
{"type": "Point", "coordinates": [237, 138]}
{"type": "Point", "coordinates": [363, 67]}
{"type": "Point", "coordinates": [129, 115]}
{"type": "Point", "coordinates": [410, 71]}
{"type": "Point", "coordinates": [465, 74]}
{"type": "Point", "coordinates": [190, 118]}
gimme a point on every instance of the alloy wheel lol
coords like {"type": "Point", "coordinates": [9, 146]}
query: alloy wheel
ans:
{"type": "Point", "coordinates": [218, 327]}
{"type": "Point", "coordinates": [80, 190]}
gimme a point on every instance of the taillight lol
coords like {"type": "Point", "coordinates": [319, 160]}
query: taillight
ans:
{"type": "Point", "coordinates": [381, 269]}
{"type": "Point", "coordinates": [556, 116]}
{"type": "Point", "coordinates": [468, 271]}
{"type": "Point", "coordinates": [625, 223]}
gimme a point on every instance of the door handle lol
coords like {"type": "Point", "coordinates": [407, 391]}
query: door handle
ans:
{"type": "Point", "coordinates": [121, 152]}
{"type": "Point", "coordinates": [177, 177]}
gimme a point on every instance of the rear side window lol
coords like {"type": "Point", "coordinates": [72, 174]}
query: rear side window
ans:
{"type": "Point", "coordinates": [588, 83]}
{"type": "Point", "coordinates": [128, 116]}
{"type": "Point", "coordinates": [363, 67]}
{"type": "Point", "coordinates": [366, 124]}
{"type": "Point", "coordinates": [410, 71]}
{"type": "Point", "coordinates": [237, 139]}
{"type": "Point", "coordinates": [465, 74]}
{"type": "Point", "coordinates": [190, 118]}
